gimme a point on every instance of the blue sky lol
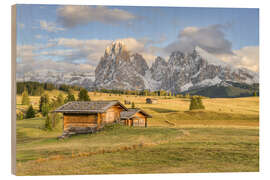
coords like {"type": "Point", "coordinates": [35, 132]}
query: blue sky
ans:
{"type": "Point", "coordinates": [78, 35]}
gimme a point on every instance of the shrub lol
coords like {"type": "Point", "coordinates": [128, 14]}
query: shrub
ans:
{"type": "Point", "coordinates": [20, 116]}
{"type": "Point", "coordinates": [196, 103]}
{"type": "Point", "coordinates": [30, 113]}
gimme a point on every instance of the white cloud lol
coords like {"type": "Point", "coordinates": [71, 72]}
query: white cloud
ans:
{"type": "Point", "coordinates": [246, 57]}
{"type": "Point", "coordinates": [26, 53]}
{"type": "Point", "coordinates": [73, 54]}
{"type": "Point", "coordinates": [50, 26]}
{"type": "Point", "coordinates": [94, 49]}
{"type": "Point", "coordinates": [210, 38]}
{"type": "Point", "coordinates": [71, 16]}
{"type": "Point", "coordinates": [50, 65]}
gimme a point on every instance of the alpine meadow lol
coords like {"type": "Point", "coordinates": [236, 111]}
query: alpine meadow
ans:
{"type": "Point", "coordinates": [134, 90]}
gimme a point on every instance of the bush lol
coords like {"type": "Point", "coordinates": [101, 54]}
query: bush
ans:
{"type": "Point", "coordinates": [30, 113]}
{"type": "Point", "coordinates": [20, 116]}
{"type": "Point", "coordinates": [196, 103]}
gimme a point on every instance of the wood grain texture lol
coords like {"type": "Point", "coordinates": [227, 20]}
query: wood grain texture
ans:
{"type": "Point", "coordinates": [72, 120]}
{"type": "Point", "coordinates": [13, 88]}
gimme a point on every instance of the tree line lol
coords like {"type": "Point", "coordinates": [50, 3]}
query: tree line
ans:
{"type": "Point", "coordinates": [37, 88]}
{"type": "Point", "coordinates": [47, 105]}
{"type": "Point", "coordinates": [144, 92]}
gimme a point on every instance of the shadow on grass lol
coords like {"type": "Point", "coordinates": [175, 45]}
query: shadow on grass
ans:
{"type": "Point", "coordinates": [162, 110]}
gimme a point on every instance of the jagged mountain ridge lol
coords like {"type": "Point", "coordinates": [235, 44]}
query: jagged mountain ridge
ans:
{"type": "Point", "coordinates": [83, 79]}
{"type": "Point", "coordinates": [119, 69]}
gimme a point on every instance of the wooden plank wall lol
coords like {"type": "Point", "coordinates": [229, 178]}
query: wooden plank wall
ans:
{"type": "Point", "coordinates": [79, 120]}
{"type": "Point", "coordinates": [112, 114]}
{"type": "Point", "coordinates": [139, 120]}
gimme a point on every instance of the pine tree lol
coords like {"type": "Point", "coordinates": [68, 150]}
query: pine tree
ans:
{"type": "Point", "coordinates": [255, 93]}
{"type": "Point", "coordinates": [132, 105]}
{"type": "Point", "coordinates": [196, 103]}
{"type": "Point", "coordinates": [44, 99]}
{"type": "Point", "coordinates": [60, 99]}
{"type": "Point", "coordinates": [200, 104]}
{"type": "Point", "coordinates": [25, 98]}
{"type": "Point", "coordinates": [48, 123]}
{"type": "Point", "coordinates": [83, 95]}
{"type": "Point", "coordinates": [70, 97]}
{"type": "Point", "coordinates": [30, 113]}
{"type": "Point", "coordinates": [45, 109]}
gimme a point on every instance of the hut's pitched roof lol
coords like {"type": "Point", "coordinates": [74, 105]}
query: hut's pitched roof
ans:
{"type": "Point", "coordinates": [131, 112]}
{"type": "Point", "coordinates": [87, 106]}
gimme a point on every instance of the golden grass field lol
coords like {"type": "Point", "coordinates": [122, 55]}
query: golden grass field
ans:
{"type": "Point", "coordinates": [222, 138]}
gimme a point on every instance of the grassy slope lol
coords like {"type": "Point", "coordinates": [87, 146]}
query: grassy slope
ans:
{"type": "Point", "coordinates": [218, 91]}
{"type": "Point", "coordinates": [224, 137]}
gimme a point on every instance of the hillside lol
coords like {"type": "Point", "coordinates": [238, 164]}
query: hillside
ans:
{"type": "Point", "coordinates": [225, 135]}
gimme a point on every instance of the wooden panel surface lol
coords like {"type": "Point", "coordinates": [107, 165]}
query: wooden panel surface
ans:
{"type": "Point", "coordinates": [112, 114]}
{"type": "Point", "coordinates": [79, 120]}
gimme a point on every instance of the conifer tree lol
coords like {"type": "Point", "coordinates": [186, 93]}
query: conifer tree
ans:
{"type": "Point", "coordinates": [25, 98]}
{"type": "Point", "coordinates": [83, 95]}
{"type": "Point", "coordinates": [70, 97]}
{"type": "Point", "coordinates": [30, 113]}
{"type": "Point", "coordinates": [44, 99]}
{"type": "Point", "coordinates": [48, 123]}
{"type": "Point", "coordinates": [60, 99]}
{"type": "Point", "coordinates": [45, 109]}
{"type": "Point", "coordinates": [196, 103]}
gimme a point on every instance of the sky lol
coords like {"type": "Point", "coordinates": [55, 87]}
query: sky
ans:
{"type": "Point", "coordinates": [74, 38]}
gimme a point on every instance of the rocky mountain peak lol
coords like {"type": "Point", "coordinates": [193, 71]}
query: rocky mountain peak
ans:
{"type": "Point", "coordinates": [119, 69]}
{"type": "Point", "coordinates": [116, 48]}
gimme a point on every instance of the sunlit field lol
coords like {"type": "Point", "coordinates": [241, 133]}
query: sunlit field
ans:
{"type": "Point", "coordinates": [222, 138]}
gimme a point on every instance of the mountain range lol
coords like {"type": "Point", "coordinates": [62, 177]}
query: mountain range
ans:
{"type": "Point", "coordinates": [181, 73]}
{"type": "Point", "coordinates": [120, 69]}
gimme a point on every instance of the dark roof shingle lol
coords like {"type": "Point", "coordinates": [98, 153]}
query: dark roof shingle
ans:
{"type": "Point", "coordinates": [131, 112]}
{"type": "Point", "coordinates": [87, 106]}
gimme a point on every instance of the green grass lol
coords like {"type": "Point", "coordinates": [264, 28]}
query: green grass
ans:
{"type": "Point", "coordinates": [222, 138]}
{"type": "Point", "coordinates": [163, 150]}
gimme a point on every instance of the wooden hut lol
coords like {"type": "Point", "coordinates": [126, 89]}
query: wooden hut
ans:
{"type": "Point", "coordinates": [89, 116]}
{"type": "Point", "coordinates": [151, 101]}
{"type": "Point", "coordinates": [134, 117]}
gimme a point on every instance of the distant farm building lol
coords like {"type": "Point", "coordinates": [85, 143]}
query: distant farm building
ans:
{"type": "Point", "coordinates": [134, 117]}
{"type": "Point", "coordinates": [127, 102]}
{"type": "Point", "coordinates": [90, 116]}
{"type": "Point", "coordinates": [151, 101]}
